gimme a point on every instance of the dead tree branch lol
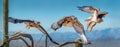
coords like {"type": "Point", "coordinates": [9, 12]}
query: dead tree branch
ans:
{"type": "Point", "coordinates": [17, 36]}
{"type": "Point", "coordinates": [79, 42]}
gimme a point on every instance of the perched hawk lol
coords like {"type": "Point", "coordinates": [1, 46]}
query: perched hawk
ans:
{"type": "Point", "coordinates": [96, 15]}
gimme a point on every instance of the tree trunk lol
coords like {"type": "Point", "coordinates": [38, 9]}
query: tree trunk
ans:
{"type": "Point", "coordinates": [5, 22]}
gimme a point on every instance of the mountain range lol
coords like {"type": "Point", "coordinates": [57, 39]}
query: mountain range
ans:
{"type": "Point", "coordinates": [96, 35]}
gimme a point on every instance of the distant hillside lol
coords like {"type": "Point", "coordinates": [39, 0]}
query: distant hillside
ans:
{"type": "Point", "coordinates": [106, 34]}
{"type": "Point", "coordinates": [100, 38]}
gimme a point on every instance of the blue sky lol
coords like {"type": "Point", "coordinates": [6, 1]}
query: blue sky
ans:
{"type": "Point", "coordinates": [49, 11]}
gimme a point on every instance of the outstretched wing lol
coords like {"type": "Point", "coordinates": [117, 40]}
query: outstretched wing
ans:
{"type": "Point", "coordinates": [65, 21]}
{"type": "Point", "coordinates": [78, 26]}
{"type": "Point", "coordinates": [102, 14]}
{"type": "Point", "coordinates": [88, 9]}
{"type": "Point", "coordinates": [14, 20]}
{"type": "Point", "coordinates": [58, 24]}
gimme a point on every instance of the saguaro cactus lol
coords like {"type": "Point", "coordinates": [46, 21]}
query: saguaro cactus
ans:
{"type": "Point", "coordinates": [5, 22]}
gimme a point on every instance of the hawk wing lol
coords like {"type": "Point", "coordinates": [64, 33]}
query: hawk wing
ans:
{"type": "Point", "coordinates": [78, 26]}
{"type": "Point", "coordinates": [14, 20]}
{"type": "Point", "coordinates": [102, 14]}
{"type": "Point", "coordinates": [88, 9]}
{"type": "Point", "coordinates": [58, 24]}
{"type": "Point", "coordinates": [65, 21]}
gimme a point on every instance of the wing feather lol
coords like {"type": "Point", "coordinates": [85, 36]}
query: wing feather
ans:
{"type": "Point", "coordinates": [102, 14]}
{"type": "Point", "coordinates": [88, 9]}
{"type": "Point", "coordinates": [14, 20]}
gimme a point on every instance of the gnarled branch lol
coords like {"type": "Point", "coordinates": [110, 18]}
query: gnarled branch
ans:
{"type": "Point", "coordinates": [19, 35]}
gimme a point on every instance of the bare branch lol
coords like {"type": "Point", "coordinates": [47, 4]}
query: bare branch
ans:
{"type": "Point", "coordinates": [28, 36]}
{"type": "Point", "coordinates": [15, 33]}
{"type": "Point", "coordinates": [15, 38]}
{"type": "Point", "coordinates": [79, 42]}
{"type": "Point", "coordinates": [19, 35]}
{"type": "Point", "coordinates": [25, 42]}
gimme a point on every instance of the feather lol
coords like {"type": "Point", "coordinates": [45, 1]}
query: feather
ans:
{"type": "Point", "coordinates": [88, 9]}
{"type": "Point", "coordinates": [102, 14]}
{"type": "Point", "coordinates": [13, 20]}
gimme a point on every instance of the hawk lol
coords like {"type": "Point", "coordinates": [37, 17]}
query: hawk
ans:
{"type": "Point", "coordinates": [96, 15]}
{"type": "Point", "coordinates": [71, 21]}
{"type": "Point", "coordinates": [31, 23]}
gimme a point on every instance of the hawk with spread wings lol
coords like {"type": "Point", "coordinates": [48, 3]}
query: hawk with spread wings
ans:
{"type": "Point", "coordinates": [71, 21]}
{"type": "Point", "coordinates": [96, 15]}
{"type": "Point", "coordinates": [31, 23]}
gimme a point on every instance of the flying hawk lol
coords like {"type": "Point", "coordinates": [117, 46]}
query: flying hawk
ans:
{"type": "Point", "coordinates": [31, 23]}
{"type": "Point", "coordinates": [72, 21]}
{"type": "Point", "coordinates": [96, 15]}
